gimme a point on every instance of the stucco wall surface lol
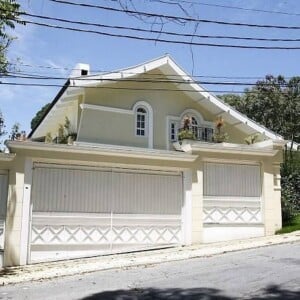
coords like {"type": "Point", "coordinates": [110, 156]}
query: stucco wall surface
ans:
{"type": "Point", "coordinates": [20, 177]}
{"type": "Point", "coordinates": [167, 100]}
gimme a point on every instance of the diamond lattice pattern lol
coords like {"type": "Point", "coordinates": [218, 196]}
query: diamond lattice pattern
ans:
{"type": "Point", "coordinates": [50, 234]}
{"type": "Point", "coordinates": [232, 215]}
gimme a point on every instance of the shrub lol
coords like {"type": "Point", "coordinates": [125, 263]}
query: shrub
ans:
{"type": "Point", "coordinates": [186, 134]}
{"type": "Point", "coordinates": [290, 183]}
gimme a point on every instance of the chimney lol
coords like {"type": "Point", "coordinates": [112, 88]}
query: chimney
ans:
{"type": "Point", "coordinates": [80, 70]}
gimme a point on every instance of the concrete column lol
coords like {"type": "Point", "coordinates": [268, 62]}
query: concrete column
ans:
{"type": "Point", "coordinates": [26, 212]}
{"type": "Point", "coordinates": [18, 213]}
{"type": "Point", "coordinates": [277, 196]}
{"type": "Point", "coordinates": [187, 208]}
{"type": "Point", "coordinates": [197, 205]}
{"type": "Point", "coordinates": [271, 197]}
{"type": "Point", "coordinates": [13, 225]}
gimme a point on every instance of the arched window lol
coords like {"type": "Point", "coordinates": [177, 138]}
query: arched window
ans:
{"type": "Point", "coordinates": [141, 126]}
{"type": "Point", "coordinates": [191, 123]}
{"type": "Point", "coordinates": [194, 126]}
{"type": "Point", "coordinates": [192, 120]}
{"type": "Point", "coordinates": [143, 121]}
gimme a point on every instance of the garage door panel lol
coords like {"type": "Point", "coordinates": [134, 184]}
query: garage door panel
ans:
{"type": "Point", "coordinates": [108, 210]}
{"type": "Point", "coordinates": [232, 180]}
{"type": "Point", "coordinates": [60, 236]}
{"type": "Point", "coordinates": [146, 193]}
{"type": "Point", "coordinates": [232, 200]}
{"type": "Point", "coordinates": [71, 190]}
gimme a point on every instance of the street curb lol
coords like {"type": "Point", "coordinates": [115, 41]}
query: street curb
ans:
{"type": "Point", "coordinates": [51, 270]}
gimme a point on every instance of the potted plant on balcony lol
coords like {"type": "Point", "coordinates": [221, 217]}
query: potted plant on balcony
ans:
{"type": "Point", "coordinates": [252, 139]}
{"type": "Point", "coordinates": [186, 133]}
{"type": "Point", "coordinates": [220, 135]}
{"type": "Point", "coordinates": [65, 133]}
{"type": "Point", "coordinates": [71, 138]}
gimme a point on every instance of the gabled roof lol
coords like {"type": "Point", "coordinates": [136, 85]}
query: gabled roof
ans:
{"type": "Point", "coordinates": [167, 65]}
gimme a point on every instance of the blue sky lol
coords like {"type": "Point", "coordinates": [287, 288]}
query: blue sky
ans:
{"type": "Point", "coordinates": [57, 48]}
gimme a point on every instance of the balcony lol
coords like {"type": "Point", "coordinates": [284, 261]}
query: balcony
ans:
{"type": "Point", "coordinates": [197, 133]}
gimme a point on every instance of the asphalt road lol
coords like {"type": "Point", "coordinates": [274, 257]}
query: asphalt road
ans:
{"type": "Point", "coordinates": [267, 273]}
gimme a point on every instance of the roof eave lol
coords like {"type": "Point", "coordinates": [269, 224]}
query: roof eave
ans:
{"type": "Point", "coordinates": [57, 97]}
{"type": "Point", "coordinates": [104, 149]}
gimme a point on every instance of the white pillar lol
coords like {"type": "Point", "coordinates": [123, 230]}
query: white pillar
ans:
{"type": "Point", "coordinates": [187, 208]}
{"type": "Point", "coordinates": [26, 216]}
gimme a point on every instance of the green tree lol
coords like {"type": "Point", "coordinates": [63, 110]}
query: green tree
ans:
{"type": "Point", "coordinates": [235, 100]}
{"type": "Point", "coordinates": [9, 16]}
{"type": "Point", "coordinates": [39, 115]}
{"type": "Point", "coordinates": [272, 102]}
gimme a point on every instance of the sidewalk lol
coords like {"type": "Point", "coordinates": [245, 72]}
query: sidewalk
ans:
{"type": "Point", "coordinates": [86, 265]}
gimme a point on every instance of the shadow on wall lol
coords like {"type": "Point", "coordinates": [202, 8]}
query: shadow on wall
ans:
{"type": "Point", "coordinates": [271, 292]}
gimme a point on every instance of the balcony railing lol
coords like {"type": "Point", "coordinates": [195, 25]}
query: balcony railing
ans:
{"type": "Point", "coordinates": [199, 133]}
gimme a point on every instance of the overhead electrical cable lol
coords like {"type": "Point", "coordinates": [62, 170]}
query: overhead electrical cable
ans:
{"type": "Point", "coordinates": [153, 31]}
{"type": "Point", "coordinates": [120, 88]}
{"type": "Point", "coordinates": [172, 17]}
{"type": "Point", "coordinates": [225, 6]}
{"type": "Point", "coordinates": [190, 43]}
{"type": "Point", "coordinates": [150, 75]}
{"type": "Point", "coordinates": [134, 80]}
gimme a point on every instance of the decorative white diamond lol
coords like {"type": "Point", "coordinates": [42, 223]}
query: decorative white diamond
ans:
{"type": "Point", "coordinates": [168, 235]}
{"type": "Point", "coordinates": [152, 237]}
{"type": "Point", "coordinates": [231, 215]}
{"type": "Point", "coordinates": [216, 215]}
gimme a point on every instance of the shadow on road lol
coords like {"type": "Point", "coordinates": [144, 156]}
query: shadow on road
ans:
{"type": "Point", "coordinates": [271, 292]}
{"type": "Point", "coordinates": [8, 272]}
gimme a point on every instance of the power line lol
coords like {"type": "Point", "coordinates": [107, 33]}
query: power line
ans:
{"type": "Point", "coordinates": [176, 18]}
{"type": "Point", "coordinates": [171, 33]}
{"type": "Point", "coordinates": [133, 73]}
{"type": "Point", "coordinates": [164, 32]}
{"type": "Point", "coordinates": [226, 6]}
{"type": "Point", "coordinates": [122, 88]}
{"type": "Point", "coordinates": [190, 43]}
{"type": "Point", "coordinates": [135, 80]}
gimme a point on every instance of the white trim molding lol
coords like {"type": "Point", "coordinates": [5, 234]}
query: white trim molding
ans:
{"type": "Point", "coordinates": [198, 116]}
{"type": "Point", "coordinates": [7, 156]}
{"type": "Point", "coordinates": [197, 146]}
{"type": "Point", "coordinates": [104, 149]}
{"type": "Point", "coordinates": [106, 108]}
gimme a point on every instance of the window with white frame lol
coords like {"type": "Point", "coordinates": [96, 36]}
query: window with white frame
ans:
{"type": "Point", "coordinates": [194, 126]}
{"type": "Point", "coordinates": [141, 122]}
{"type": "Point", "coordinates": [202, 130]}
{"type": "Point", "coordinates": [173, 129]}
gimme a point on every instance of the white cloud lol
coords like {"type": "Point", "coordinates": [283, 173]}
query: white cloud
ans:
{"type": "Point", "coordinates": [59, 67]}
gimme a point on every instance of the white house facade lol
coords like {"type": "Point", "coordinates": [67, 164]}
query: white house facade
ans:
{"type": "Point", "coordinates": [128, 179]}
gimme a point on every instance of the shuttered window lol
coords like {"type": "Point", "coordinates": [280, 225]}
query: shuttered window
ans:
{"type": "Point", "coordinates": [57, 189]}
{"type": "Point", "coordinates": [235, 180]}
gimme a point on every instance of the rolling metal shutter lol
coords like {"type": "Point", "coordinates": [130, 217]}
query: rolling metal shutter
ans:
{"type": "Point", "coordinates": [232, 193]}
{"type": "Point", "coordinates": [232, 207]}
{"type": "Point", "coordinates": [82, 211]}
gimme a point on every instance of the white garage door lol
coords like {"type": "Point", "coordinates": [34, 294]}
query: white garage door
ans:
{"type": "Point", "coordinates": [232, 201]}
{"type": "Point", "coordinates": [87, 211]}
